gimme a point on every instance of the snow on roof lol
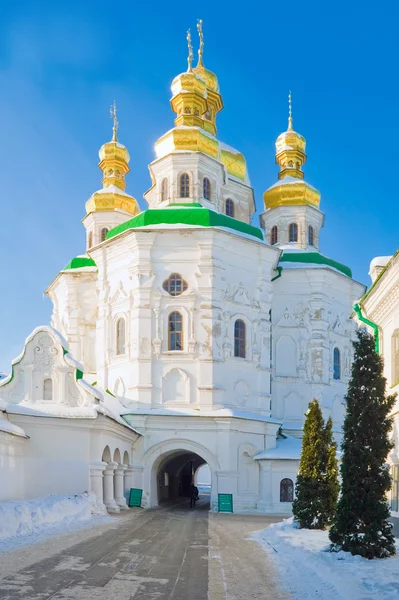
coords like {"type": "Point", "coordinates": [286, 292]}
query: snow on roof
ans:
{"type": "Point", "coordinates": [189, 412]}
{"type": "Point", "coordinates": [380, 261]}
{"type": "Point", "coordinates": [50, 409]}
{"type": "Point", "coordinates": [290, 180]}
{"type": "Point", "coordinates": [112, 189]}
{"type": "Point", "coordinates": [287, 448]}
{"type": "Point", "coordinates": [8, 427]}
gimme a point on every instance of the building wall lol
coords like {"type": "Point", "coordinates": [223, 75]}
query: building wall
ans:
{"type": "Point", "coordinates": [12, 460]}
{"type": "Point", "coordinates": [311, 311]}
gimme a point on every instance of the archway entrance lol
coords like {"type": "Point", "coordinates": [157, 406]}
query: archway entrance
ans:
{"type": "Point", "coordinates": [176, 474]}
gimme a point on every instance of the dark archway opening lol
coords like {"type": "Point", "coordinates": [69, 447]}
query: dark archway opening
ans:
{"type": "Point", "coordinates": [176, 475]}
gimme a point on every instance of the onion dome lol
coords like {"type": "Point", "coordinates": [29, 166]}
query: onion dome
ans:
{"type": "Point", "coordinates": [291, 189]}
{"type": "Point", "coordinates": [114, 163]}
{"type": "Point", "coordinates": [189, 95]}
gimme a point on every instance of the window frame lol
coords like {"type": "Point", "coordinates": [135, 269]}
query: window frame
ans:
{"type": "Point", "coordinates": [175, 278]}
{"type": "Point", "coordinates": [232, 209]}
{"type": "Point", "coordinates": [102, 235]}
{"type": "Point", "coordinates": [310, 235]}
{"type": "Point", "coordinates": [164, 189]}
{"type": "Point", "coordinates": [274, 235]}
{"type": "Point", "coordinates": [178, 333]}
{"type": "Point", "coordinates": [90, 240]}
{"type": "Point", "coordinates": [120, 348]}
{"type": "Point", "coordinates": [337, 364]}
{"type": "Point", "coordinates": [45, 380]}
{"type": "Point", "coordinates": [293, 228]}
{"type": "Point", "coordinates": [240, 338]}
{"type": "Point", "coordinates": [184, 187]}
{"type": "Point", "coordinates": [206, 188]}
{"type": "Point", "coordinates": [286, 493]}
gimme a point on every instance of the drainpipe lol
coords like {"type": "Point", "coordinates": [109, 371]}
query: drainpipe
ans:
{"type": "Point", "coordinates": [358, 310]}
{"type": "Point", "coordinates": [279, 270]}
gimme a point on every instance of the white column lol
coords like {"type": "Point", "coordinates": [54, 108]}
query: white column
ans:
{"type": "Point", "coordinates": [109, 500]}
{"type": "Point", "coordinates": [128, 480]}
{"type": "Point", "coordinates": [96, 482]}
{"type": "Point", "coordinates": [265, 504]}
{"type": "Point", "coordinates": [118, 479]}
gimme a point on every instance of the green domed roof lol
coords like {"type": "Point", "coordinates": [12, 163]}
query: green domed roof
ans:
{"type": "Point", "coordinates": [187, 214]}
{"type": "Point", "coordinates": [80, 261]}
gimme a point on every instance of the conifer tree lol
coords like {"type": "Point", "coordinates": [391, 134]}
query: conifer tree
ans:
{"type": "Point", "coordinates": [361, 521]}
{"type": "Point", "coordinates": [331, 484]}
{"type": "Point", "coordinates": [316, 485]}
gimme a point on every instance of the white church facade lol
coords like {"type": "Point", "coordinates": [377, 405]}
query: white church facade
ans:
{"type": "Point", "coordinates": [185, 334]}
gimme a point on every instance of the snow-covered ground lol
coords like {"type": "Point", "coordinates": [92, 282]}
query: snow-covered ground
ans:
{"type": "Point", "coordinates": [311, 572]}
{"type": "Point", "coordinates": [30, 521]}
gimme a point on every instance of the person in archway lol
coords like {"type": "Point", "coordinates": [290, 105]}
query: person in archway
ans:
{"type": "Point", "coordinates": [194, 495]}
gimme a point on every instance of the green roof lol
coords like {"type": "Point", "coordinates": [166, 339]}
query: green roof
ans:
{"type": "Point", "coordinates": [314, 258]}
{"type": "Point", "coordinates": [188, 215]}
{"type": "Point", "coordinates": [80, 261]}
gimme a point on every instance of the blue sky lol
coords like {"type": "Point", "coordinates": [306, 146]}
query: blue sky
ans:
{"type": "Point", "coordinates": [62, 64]}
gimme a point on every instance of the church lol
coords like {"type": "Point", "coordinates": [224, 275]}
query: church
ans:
{"type": "Point", "coordinates": [185, 334]}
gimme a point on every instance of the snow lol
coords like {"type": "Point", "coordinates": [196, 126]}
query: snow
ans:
{"type": "Point", "coordinates": [311, 572]}
{"type": "Point", "coordinates": [290, 180]}
{"type": "Point", "coordinates": [25, 522]}
{"type": "Point", "coordinates": [52, 409]}
{"type": "Point", "coordinates": [187, 412]}
{"type": "Point", "coordinates": [112, 189]}
{"type": "Point", "coordinates": [306, 265]}
{"type": "Point", "coordinates": [8, 427]}
{"type": "Point", "coordinates": [288, 448]}
{"type": "Point", "coordinates": [380, 261]}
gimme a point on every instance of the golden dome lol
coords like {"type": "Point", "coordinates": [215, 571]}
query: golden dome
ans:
{"type": "Point", "coordinates": [188, 82]}
{"type": "Point", "coordinates": [208, 76]}
{"type": "Point", "coordinates": [114, 163]}
{"type": "Point", "coordinates": [291, 189]}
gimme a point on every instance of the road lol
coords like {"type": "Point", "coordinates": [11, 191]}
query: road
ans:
{"type": "Point", "coordinates": [172, 553]}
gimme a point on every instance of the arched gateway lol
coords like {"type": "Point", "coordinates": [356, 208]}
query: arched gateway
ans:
{"type": "Point", "coordinates": [168, 469]}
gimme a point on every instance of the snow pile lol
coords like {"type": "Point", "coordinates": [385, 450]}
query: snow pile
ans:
{"type": "Point", "coordinates": [8, 427]}
{"type": "Point", "coordinates": [27, 519]}
{"type": "Point", "coordinates": [311, 572]}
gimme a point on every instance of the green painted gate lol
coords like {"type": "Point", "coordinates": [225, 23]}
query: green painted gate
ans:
{"type": "Point", "coordinates": [225, 503]}
{"type": "Point", "coordinates": [135, 497]}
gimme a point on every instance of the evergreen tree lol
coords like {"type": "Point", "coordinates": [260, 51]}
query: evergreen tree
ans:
{"type": "Point", "coordinates": [361, 521]}
{"type": "Point", "coordinates": [331, 484]}
{"type": "Point", "coordinates": [316, 486]}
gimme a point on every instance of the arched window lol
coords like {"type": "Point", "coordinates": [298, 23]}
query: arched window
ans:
{"type": "Point", "coordinates": [48, 389]}
{"type": "Point", "coordinates": [184, 186]}
{"type": "Point", "coordinates": [274, 235]}
{"type": "Point", "coordinates": [207, 188]}
{"type": "Point", "coordinates": [175, 284]}
{"type": "Point", "coordinates": [337, 364]}
{"type": "Point", "coordinates": [90, 241]}
{"type": "Point", "coordinates": [395, 357]}
{"type": "Point", "coordinates": [103, 235]}
{"type": "Point", "coordinates": [239, 338]}
{"type": "Point", "coordinates": [230, 208]}
{"type": "Point", "coordinates": [120, 336]}
{"type": "Point", "coordinates": [164, 189]}
{"type": "Point", "coordinates": [175, 331]}
{"type": "Point", "coordinates": [310, 236]}
{"type": "Point", "coordinates": [286, 490]}
{"type": "Point", "coordinates": [293, 232]}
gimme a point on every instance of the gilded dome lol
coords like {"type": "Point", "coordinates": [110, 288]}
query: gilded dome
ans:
{"type": "Point", "coordinates": [188, 82]}
{"type": "Point", "coordinates": [115, 151]}
{"type": "Point", "coordinates": [290, 140]}
{"type": "Point", "coordinates": [208, 76]}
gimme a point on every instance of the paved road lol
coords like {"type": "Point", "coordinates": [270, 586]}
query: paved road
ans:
{"type": "Point", "coordinates": [172, 553]}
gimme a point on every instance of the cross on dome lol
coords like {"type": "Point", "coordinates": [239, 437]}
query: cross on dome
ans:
{"type": "Point", "coordinates": [112, 112]}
